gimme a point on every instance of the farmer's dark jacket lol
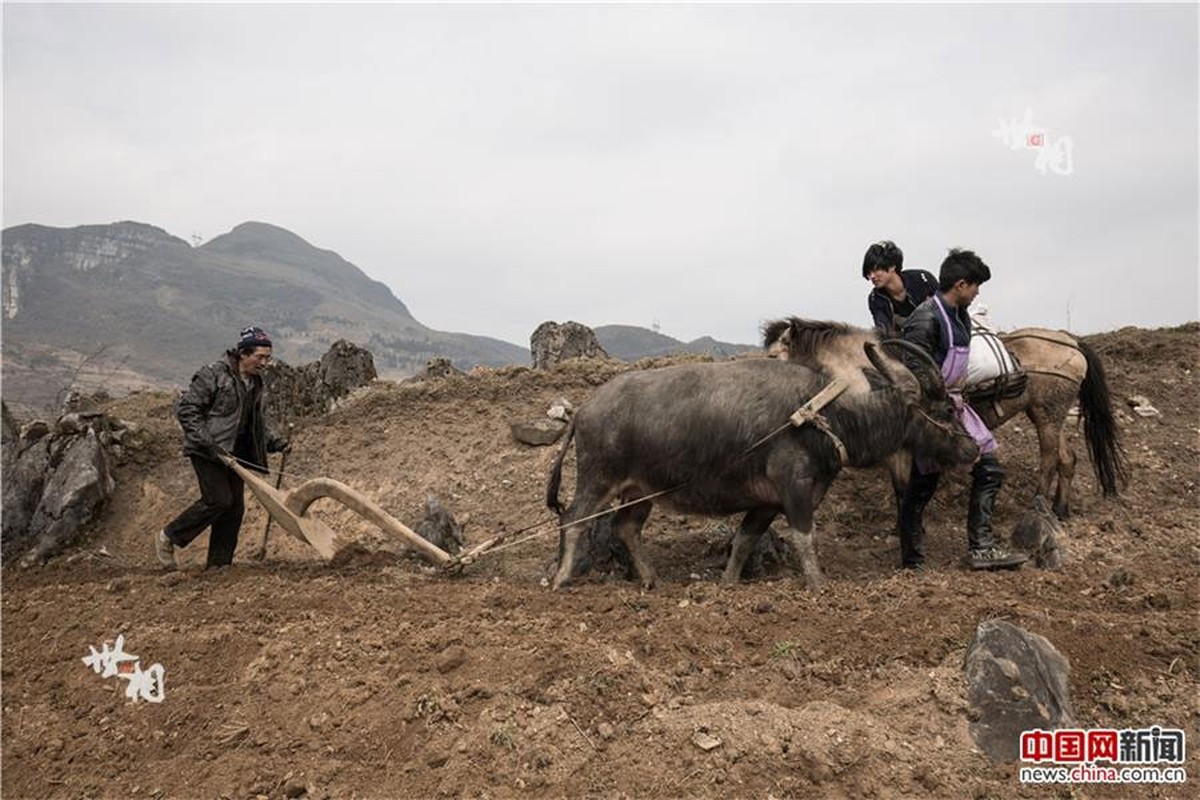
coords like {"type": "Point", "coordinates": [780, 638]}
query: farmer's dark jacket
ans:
{"type": "Point", "coordinates": [918, 285]}
{"type": "Point", "coordinates": [925, 329]}
{"type": "Point", "coordinates": [211, 409]}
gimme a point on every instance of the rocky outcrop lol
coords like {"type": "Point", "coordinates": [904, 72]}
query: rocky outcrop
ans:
{"type": "Point", "coordinates": [552, 343]}
{"type": "Point", "coordinates": [83, 249]}
{"type": "Point", "coordinates": [1016, 681]}
{"type": "Point", "coordinates": [56, 481]}
{"type": "Point", "coordinates": [1038, 532]}
{"type": "Point", "coordinates": [439, 527]}
{"type": "Point", "coordinates": [538, 432]}
{"type": "Point", "coordinates": [437, 367]}
{"type": "Point", "coordinates": [544, 430]}
{"type": "Point", "coordinates": [312, 389]}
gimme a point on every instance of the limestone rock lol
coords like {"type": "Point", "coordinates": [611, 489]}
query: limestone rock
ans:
{"type": "Point", "coordinates": [12, 430]}
{"type": "Point", "coordinates": [439, 527]}
{"type": "Point", "coordinates": [1037, 532]}
{"type": "Point", "coordinates": [312, 389]}
{"type": "Point", "coordinates": [440, 367]}
{"type": "Point", "coordinates": [53, 486]}
{"type": "Point", "coordinates": [552, 343]}
{"type": "Point", "coordinates": [1016, 681]}
{"type": "Point", "coordinates": [538, 432]}
{"type": "Point", "coordinates": [1142, 407]}
{"type": "Point", "coordinates": [561, 409]}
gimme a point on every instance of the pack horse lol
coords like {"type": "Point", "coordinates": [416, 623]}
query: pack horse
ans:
{"type": "Point", "coordinates": [706, 439]}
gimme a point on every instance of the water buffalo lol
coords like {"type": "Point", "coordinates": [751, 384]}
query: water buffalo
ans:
{"type": "Point", "coordinates": [689, 429]}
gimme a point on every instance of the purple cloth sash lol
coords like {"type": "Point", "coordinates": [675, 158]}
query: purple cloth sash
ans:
{"type": "Point", "coordinates": [954, 372]}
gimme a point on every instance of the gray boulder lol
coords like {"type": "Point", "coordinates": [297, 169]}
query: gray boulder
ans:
{"type": "Point", "coordinates": [12, 430]}
{"type": "Point", "coordinates": [439, 527]}
{"type": "Point", "coordinates": [552, 343]}
{"type": "Point", "coordinates": [436, 367]}
{"type": "Point", "coordinates": [1016, 681]}
{"type": "Point", "coordinates": [54, 485]}
{"type": "Point", "coordinates": [311, 389]}
{"type": "Point", "coordinates": [1037, 532]}
{"type": "Point", "coordinates": [538, 432]}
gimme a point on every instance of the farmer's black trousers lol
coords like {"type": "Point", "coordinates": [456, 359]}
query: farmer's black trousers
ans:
{"type": "Point", "coordinates": [222, 503]}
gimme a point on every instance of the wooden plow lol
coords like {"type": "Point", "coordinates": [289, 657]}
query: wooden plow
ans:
{"type": "Point", "coordinates": [289, 509]}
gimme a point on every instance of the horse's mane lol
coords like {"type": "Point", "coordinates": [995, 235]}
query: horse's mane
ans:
{"type": "Point", "coordinates": [804, 337]}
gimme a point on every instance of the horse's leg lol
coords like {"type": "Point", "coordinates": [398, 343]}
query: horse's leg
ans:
{"type": "Point", "coordinates": [1048, 452]}
{"type": "Point", "coordinates": [1066, 474]}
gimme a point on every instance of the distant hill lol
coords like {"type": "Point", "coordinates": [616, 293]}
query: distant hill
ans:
{"type": "Point", "coordinates": [630, 343]}
{"type": "Point", "coordinates": [126, 305]}
{"type": "Point", "coordinates": [130, 303]}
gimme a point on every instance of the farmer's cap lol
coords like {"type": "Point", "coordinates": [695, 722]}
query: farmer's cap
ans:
{"type": "Point", "coordinates": [252, 337]}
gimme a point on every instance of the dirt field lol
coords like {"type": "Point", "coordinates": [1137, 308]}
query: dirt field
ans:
{"type": "Point", "coordinates": [381, 678]}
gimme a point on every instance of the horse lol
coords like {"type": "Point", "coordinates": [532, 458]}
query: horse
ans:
{"type": "Point", "coordinates": [1062, 371]}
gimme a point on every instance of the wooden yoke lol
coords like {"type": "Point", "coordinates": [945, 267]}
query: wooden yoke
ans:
{"type": "Point", "coordinates": [288, 509]}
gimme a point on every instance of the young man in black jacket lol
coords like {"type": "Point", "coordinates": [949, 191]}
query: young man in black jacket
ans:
{"type": "Point", "coordinates": [941, 327]}
{"type": "Point", "coordinates": [897, 291]}
{"type": "Point", "coordinates": [222, 412]}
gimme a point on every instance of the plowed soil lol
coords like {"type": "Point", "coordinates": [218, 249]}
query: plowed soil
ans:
{"type": "Point", "coordinates": [380, 677]}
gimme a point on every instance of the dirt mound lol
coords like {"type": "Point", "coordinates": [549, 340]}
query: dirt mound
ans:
{"type": "Point", "coordinates": [380, 677]}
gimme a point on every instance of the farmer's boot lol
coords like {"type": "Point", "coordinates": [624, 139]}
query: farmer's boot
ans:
{"type": "Point", "coordinates": [983, 551]}
{"type": "Point", "coordinates": [912, 506]}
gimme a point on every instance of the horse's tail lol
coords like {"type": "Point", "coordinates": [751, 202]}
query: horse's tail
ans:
{"type": "Point", "coordinates": [554, 482]}
{"type": "Point", "coordinates": [1099, 424]}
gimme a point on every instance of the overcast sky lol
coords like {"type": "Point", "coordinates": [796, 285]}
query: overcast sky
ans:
{"type": "Point", "coordinates": [704, 167]}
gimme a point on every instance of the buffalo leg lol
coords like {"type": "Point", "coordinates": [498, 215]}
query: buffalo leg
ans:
{"type": "Point", "coordinates": [799, 507]}
{"type": "Point", "coordinates": [628, 524]}
{"type": "Point", "coordinates": [754, 524]}
{"type": "Point", "coordinates": [899, 465]}
{"type": "Point", "coordinates": [584, 505]}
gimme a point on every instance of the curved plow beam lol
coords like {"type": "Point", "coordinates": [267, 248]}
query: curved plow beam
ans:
{"type": "Point", "coordinates": [300, 498]}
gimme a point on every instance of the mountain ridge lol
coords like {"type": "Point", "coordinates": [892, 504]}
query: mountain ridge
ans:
{"type": "Point", "coordinates": [104, 304]}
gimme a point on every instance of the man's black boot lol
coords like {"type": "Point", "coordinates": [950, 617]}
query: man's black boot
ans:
{"type": "Point", "coordinates": [912, 507]}
{"type": "Point", "coordinates": [983, 551]}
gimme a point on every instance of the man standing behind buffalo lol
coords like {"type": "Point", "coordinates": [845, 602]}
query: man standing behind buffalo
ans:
{"type": "Point", "coordinates": [222, 412]}
{"type": "Point", "coordinates": [941, 327]}
{"type": "Point", "coordinates": [897, 291]}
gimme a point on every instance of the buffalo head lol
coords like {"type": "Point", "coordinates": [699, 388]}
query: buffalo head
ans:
{"type": "Point", "coordinates": [933, 431]}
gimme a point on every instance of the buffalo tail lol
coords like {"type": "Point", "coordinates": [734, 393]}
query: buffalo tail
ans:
{"type": "Point", "coordinates": [554, 482]}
